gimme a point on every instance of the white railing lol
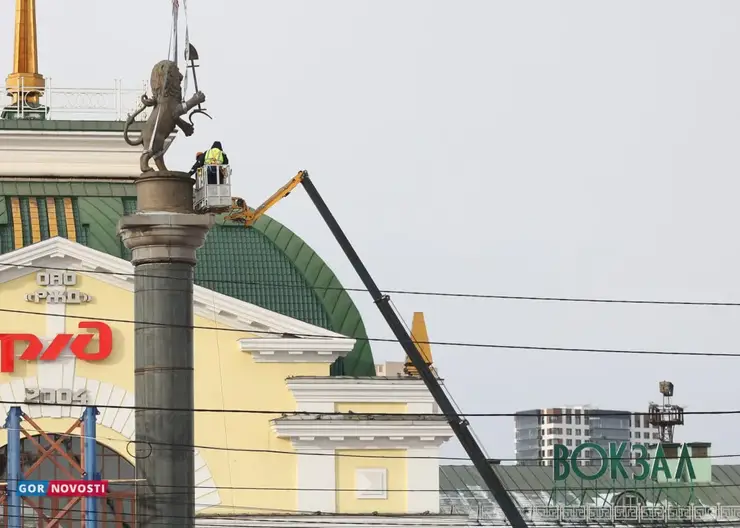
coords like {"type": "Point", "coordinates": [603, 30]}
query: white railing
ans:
{"type": "Point", "coordinates": [100, 104]}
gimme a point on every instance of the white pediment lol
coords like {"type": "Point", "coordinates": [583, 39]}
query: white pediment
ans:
{"type": "Point", "coordinates": [62, 254]}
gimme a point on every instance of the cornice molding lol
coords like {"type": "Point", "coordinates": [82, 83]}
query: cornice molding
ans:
{"type": "Point", "coordinates": [371, 390]}
{"type": "Point", "coordinates": [68, 154]}
{"type": "Point", "coordinates": [326, 520]}
{"type": "Point", "coordinates": [296, 350]}
{"type": "Point", "coordinates": [311, 429]}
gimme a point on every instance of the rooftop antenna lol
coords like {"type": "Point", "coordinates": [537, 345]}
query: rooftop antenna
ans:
{"type": "Point", "coordinates": [667, 415]}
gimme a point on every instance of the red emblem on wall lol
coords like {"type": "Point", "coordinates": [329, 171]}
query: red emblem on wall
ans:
{"type": "Point", "coordinates": [77, 344]}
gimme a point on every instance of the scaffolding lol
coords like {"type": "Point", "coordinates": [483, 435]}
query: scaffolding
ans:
{"type": "Point", "coordinates": [20, 425]}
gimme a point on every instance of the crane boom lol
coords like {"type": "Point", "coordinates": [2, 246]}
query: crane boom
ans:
{"type": "Point", "coordinates": [241, 213]}
{"type": "Point", "coordinates": [459, 425]}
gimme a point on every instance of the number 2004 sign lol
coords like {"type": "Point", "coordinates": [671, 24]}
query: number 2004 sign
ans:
{"type": "Point", "coordinates": [58, 396]}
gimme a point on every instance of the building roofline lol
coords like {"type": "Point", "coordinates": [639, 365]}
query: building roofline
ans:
{"type": "Point", "coordinates": [66, 125]}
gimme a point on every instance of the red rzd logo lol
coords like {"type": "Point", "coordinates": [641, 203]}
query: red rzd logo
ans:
{"type": "Point", "coordinates": [77, 343]}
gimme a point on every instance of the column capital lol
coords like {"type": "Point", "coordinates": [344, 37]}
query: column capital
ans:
{"type": "Point", "coordinates": [164, 237]}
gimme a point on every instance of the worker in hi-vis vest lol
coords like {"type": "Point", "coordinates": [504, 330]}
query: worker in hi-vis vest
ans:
{"type": "Point", "coordinates": [215, 156]}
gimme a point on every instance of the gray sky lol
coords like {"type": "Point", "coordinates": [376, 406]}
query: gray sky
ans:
{"type": "Point", "coordinates": [535, 148]}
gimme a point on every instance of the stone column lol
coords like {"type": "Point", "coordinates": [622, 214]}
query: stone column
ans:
{"type": "Point", "coordinates": [164, 235]}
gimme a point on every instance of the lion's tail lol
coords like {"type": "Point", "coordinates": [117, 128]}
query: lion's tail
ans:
{"type": "Point", "coordinates": [129, 122]}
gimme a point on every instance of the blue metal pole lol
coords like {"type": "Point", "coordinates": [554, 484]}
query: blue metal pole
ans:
{"type": "Point", "coordinates": [13, 426]}
{"type": "Point", "coordinates": [91, 455]}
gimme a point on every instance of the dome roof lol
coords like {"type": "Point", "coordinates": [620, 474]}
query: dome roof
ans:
{"type": "Point", "coordinates": [267, 265]}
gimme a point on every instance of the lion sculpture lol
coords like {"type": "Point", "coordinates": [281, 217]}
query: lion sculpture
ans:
{"type": "Point", "coordinates": [167, 112]}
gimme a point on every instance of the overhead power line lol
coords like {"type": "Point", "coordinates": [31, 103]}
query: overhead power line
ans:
{"type": "Point", "coordinates": [592, 300]}
{"type": "Point", "coordinates": [240, 520]}
{"type": "Point", "coordinates": [371, 415]}
{"type": "Point", "coordinates": [412, 490]}
{"type": "Point", "coordinates": [161, 445]}
{"type": "Point", "coordinates": [247, 518]}
{"type": "Point", "coordinates": [535, 348]}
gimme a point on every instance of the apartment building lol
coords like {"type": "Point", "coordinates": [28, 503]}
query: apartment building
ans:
{"type": "Point", "coordinates": [537, 431]}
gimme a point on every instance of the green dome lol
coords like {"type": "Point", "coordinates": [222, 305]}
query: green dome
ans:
{"type": "Point", "coordinates": [267, 265]}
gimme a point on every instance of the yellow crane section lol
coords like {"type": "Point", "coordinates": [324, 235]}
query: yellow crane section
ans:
{"type": "Point", "coordinates": [240, 212]}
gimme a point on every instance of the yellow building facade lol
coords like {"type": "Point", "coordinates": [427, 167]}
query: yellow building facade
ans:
{"type": "Point", "coordinates": [292, 428]}
{"type": "Point", "coordinates": [262, 458]}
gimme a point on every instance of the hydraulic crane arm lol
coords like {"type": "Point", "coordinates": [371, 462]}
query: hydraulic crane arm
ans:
{"type": "Point", "coordinates": [249, 217]}
{"type": "Point", "coordinates": [459, 425]}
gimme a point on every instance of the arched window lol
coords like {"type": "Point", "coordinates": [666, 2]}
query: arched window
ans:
{"type": "Point", "coordinates": [629, 499]}
{"type": "Point", "coordinates": [64, 463]}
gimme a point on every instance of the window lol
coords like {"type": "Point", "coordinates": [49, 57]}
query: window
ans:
{"type": "Point", "coordinates": [549, 441]}
{"type": "Point", "coordinates": [568, 419]}
{"type": "Point", "coordinates": [58, 466]}
{"type": "Point", "coordinates": [569, 431]}
{"type": "Point", "coordinates": [629, 499]}
{"type": "Point", "coordinates": [549, 431]}
{"type": "Point", "coordinates": [578, 432]}
{"type": "Point", "coordinates": [578, 442]}
{"type": "Point", "coordinates": [637, 434]}
{"type": "Point", "coordinates": [371, 483]}
{"type": "Point", "coordinates": [578, 420]}
{"type": "Point", "coordinates": [569, 442]}
{"type": "Point", "coordinates": [549, 452]}
{"type": "Point", "coordinates": [587, 432]}
{"type": "Point", "coordinates": [671, 452]}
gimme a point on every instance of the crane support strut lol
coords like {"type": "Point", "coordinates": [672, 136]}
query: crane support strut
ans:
{"type": "Point", "coordinates": [459, 425]}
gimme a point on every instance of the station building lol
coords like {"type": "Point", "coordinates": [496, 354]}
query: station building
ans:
{"type": "Point", "coordinates": [64, 184]}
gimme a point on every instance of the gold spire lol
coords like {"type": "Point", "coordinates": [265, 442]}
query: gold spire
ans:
{"type": "Point", "coordinates": [421, 339]}
{"type": "Point", "coordinates": [25, 77]}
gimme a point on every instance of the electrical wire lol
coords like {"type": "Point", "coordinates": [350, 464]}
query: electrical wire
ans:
{"type": "Point", "coordinates": [183, 447]}
{"type": "Point", "coordinates": [161, 489]}
{"type": "Point", "coordinates": [306, 518]}
{"type": "Point", "coordinates": [176, 496]}
{"type": "Point", "coordinates": [461, 344]}
{"type": "Point", "coordinates": [258, 520]}
{"type": "Point", "coordinates": [372, 415]}
{"type": "Point", "coordinates": [591, 300]}
{"type": "Point", "coordinates": [323, 519]}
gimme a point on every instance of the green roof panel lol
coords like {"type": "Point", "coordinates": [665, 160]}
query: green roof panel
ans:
{"type": "Point", "coordinates": [462, 491]}
{"type": "Point", "coordinates": [267, 265]}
